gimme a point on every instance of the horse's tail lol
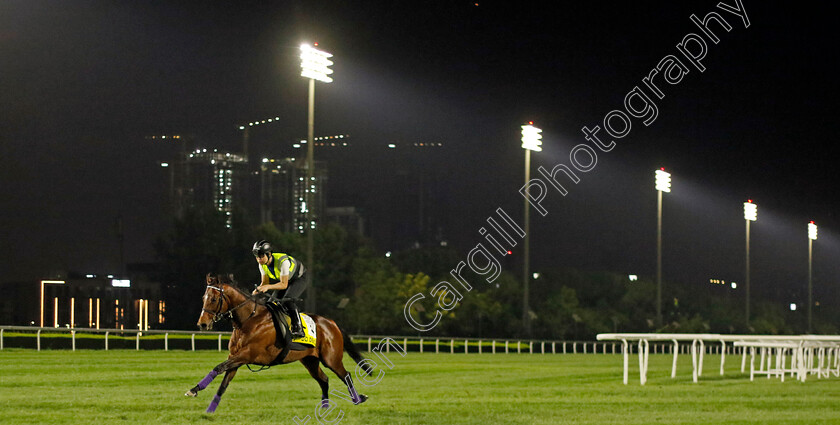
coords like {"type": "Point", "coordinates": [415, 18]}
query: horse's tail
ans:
{"type": "Point", "coordinates": [354, 353]}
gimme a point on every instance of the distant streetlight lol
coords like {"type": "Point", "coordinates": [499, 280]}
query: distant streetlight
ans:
{"type": "Point", "coordinates": [663, 184]}
{"type": "Point", "coordinates": [45, 282]}
{"type": "Point", "coordinates": [812, 236]}
{"type": "Point", "coordinates": [315, 66]}
{"type": "Point", "coordinates": [531, 141]}
{"type": "Point", "coordinates": [750, 214]}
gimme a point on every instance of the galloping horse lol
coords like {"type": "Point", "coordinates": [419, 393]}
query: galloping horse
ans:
{"type": "Point", "coordinates": [253, 341]}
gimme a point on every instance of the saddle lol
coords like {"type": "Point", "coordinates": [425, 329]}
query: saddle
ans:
{"type": "Point", "coordinates": [280, 318]}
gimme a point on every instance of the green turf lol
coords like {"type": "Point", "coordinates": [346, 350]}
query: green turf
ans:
{"type": "Point", "coordinates": [126, 386]}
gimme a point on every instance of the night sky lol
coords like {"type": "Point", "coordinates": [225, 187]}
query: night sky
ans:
{"type": "Point", "coordinates": [85, 82]}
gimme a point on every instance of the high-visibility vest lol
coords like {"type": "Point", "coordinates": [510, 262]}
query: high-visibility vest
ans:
{"type": "Point", "coordinates": [273, 272]}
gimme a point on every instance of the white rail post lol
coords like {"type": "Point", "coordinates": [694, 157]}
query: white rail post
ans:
{"type": "Point", "coordinates": [722, 355]}
{"type": "Point", "coordinates": [674, 365]}
{"type": "Point", "coordinates": [641, 362]}
{"type": "Point", "coordinates": [451, 346]}
{"type": "Point", "coordinates": [1, 339]}
{"type": "Point", "coordinates": [466, 346]}
{"type": "Point", "coordinates": [166, 341]}
{"type": "Point", "coordinates": [138, 341]}
{"type": "Point", "coordinates": [192, 341]}
{"type": "Point", "coordinates": [624, 351]}
{"type": "Point", "coordinates": [405, 344]}
{"type": "Point", "coordinates": [479, 346]}
{"type": "Point", "coordinates": [552, 348]}
{"type": "Point", "coordinates": [518, 347]}
{"type": "Point", "coordinates": [421, 345]}
{"type": "Point", "coordinates": [437, 345]}
{"type": "Point", "coordinates": [493, 346]}
{"type": "Point", "coordinates": [106, 340]}
{"type": "Point", "coordinates": [542, 347]}
{"type": "Point", "coordinates": [73, 339]}
{"type": "Point", "coordinates": [694, 356]}
{"type": "Point", "coordinates": [506, 347]}
{"type": "Point", "coordinates": [38, 338]}
{"type": "Point", "coordinates": [743, 358]}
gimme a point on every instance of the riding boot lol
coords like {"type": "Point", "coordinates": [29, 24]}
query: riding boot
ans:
{"type": "Point", "coordinates": [294, 314]}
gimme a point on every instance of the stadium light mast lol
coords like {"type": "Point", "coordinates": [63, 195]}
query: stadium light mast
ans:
{"type": "Point", "coordinates": [314, 65]}
{"type": "Point", "coordinates": [662, 184]}
{"type": "Point", "coordinates": [750, 214]}
{"type": "Point", "coordinates": [812, 236]}
{"type": "Point", "coordinates": [531, 141]}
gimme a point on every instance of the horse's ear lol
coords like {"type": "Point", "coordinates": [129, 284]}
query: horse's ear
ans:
{"type": "Point", "coordinates": [209, 278]}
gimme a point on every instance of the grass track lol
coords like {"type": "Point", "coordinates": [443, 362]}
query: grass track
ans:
{"type": "Point", "coordinates": [126, 386]}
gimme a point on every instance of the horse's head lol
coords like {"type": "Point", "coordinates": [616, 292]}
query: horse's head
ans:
{"type": "Point", "coordinates": [216, 300]}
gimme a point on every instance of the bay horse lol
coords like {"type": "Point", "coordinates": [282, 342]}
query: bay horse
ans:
{"type": "Point", "coordinates": [253, 341]}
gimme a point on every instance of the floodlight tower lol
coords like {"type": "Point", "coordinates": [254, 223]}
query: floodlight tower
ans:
{"type": "Point", "coordinates": [531, 141]}
{"type": "Point", "coordinates": [662, 184]}
{"type": "Point", "coordinates": [812, 236]}
{"type": "Point", "coordinates": [314, 65]}
{"type": "Point", "coordinates": [750, 214]}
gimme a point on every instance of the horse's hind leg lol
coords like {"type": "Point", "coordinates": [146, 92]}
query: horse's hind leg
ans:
{"type": "Point", "coordinates": [314, 368]}
{"type": "Point", "coordinates": [222, 388]}
{"type": "Point", "coordinates": [337, 366]}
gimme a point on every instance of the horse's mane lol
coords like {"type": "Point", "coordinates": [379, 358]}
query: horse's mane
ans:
{"type": "Point", "coordinates": [229, 280]}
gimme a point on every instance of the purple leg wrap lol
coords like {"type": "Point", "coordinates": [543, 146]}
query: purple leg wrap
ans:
{"type": "Point", "coordinates": [325, 403]}
{"type": "Point", "coordinates": [214, 404]}
{"type": "Point", "coordinates": [207, 380]}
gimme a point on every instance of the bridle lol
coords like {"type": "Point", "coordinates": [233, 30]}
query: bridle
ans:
{"type": "Point", "coordinates": [219, 315]}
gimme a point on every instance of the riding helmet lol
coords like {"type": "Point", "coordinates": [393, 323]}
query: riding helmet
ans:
{"type": "Point", "coordinates": [261, 247]}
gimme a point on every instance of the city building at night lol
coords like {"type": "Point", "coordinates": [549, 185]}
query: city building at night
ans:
{"type": "Point", "coordinates": [205, 177]}
{"type": "Point", "coordinates": [89, 301]}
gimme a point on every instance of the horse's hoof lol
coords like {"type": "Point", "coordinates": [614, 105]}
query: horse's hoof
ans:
{"type": "Point", "coordinates": [362, 398]}
{"type": "Point", "coordinates": [191, 393]}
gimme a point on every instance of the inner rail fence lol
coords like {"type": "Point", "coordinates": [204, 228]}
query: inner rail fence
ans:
{"type": "Point", "coordinates": [87, 338]}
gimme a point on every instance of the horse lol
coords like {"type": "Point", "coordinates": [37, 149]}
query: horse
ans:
{"type": "Point", "coordinates": [254, 337]}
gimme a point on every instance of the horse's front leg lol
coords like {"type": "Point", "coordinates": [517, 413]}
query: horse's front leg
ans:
{"type": "Point", "coordinates": [225, 381]}
{"type": "Point", "coordinates": [221, 367]}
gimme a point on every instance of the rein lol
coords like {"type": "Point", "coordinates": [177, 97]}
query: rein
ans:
{"type": "Point", "coordinates": [219, 315]}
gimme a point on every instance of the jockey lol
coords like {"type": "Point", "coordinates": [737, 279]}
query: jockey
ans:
{"type": "Point", "coordinates": [284, 276]}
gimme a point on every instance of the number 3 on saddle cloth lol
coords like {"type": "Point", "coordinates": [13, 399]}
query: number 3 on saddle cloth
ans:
{"type": "Point", "coordinates": [282, 326]}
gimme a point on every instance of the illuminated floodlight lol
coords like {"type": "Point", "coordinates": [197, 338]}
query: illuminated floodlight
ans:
{"type": "Point", "coordinates": [663, 180]}
{"type": "Point", "coordinates": [315, 64]}
{"type": "Point", "coordinates": [734, 285]}
{"type": "Point", "coordinates": [792, 306]}
{"type": "Point", "coordinates": [633, 277]}
{"type": "Point", "coordinates": [531, 138]}
{"type": "Point", "coordinates": [812, 231]}
{"type": "Point", "coordinates": [750, 211]}
{"type": "Point", "coordinates": [121, 283]}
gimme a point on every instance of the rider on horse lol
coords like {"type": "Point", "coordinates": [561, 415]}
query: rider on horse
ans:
{"type": "Point", "coordinates": [285, 277]}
